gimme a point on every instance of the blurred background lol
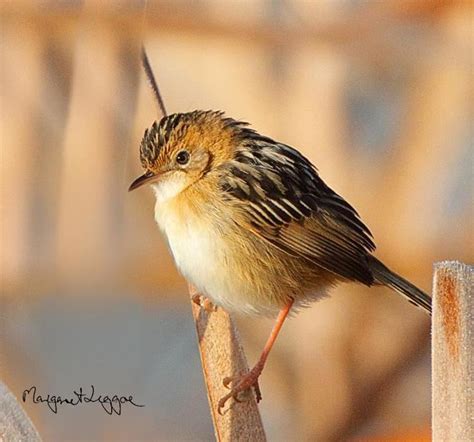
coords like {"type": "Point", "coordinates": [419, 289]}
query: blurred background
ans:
{"type": "Point", "coordinates": [378, 94]}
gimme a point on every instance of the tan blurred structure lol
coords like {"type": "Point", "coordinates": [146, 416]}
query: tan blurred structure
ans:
{"type": "Point", "coordinates": [377, 94]}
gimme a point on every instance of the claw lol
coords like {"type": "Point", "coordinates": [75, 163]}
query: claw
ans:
{"type": "Point", "coordinates": [222, 402]}
{"type": "Point", "coordinates": [243, 384]}
{"type": "Point", "coordinates": [258, 393]}
{"type": "Point", "coordinates": [204, 303]}
{"type": "Point", "coordinates": [227, 381]}
{"type": "Point", "coordinates": [208, 305]}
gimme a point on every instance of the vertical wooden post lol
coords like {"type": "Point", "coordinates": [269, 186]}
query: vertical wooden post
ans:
{"type": "Point", "coordinates": [222, 355]}
{"type": "Point", "coordinates": [452, 347]}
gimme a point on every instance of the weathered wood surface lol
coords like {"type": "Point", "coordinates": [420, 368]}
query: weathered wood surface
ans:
{"type": "Point", "coordinates": [452, 360]}
{"type": "Point", "coordinates": [15, 425]}
{"type": "Point", "coordinates": [221, 356]}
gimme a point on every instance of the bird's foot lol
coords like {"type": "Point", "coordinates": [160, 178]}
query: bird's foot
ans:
{"type": "Point", "coordinates": [204, 303]}
{"type": "Point", "coordinates": [242, 385]}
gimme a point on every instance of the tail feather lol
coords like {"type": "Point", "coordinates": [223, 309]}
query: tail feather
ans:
{"type": "Point", "coordinates": [385, 276]}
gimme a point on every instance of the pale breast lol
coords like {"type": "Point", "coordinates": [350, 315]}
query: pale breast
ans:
{"type": "Point", "coordinates": [204, 257]}
{"type": "Point", "coordinates": [195, 250]}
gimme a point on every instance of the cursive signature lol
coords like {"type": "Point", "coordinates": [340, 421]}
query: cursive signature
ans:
{"type": "Point", "coordinates": [110, 404]}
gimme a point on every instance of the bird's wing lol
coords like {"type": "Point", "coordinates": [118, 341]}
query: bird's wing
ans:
{"type": "Point", "coordinates": [279, 196]}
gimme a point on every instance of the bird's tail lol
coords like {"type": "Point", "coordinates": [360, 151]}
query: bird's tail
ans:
{"type": "Point", "coordinates": [385, 276]}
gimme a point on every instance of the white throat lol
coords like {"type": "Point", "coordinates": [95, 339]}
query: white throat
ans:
{"type": "Point", "coordinates": [169, 187]}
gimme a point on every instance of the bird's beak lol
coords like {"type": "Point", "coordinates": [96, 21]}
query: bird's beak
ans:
{"type": "Point", "coordinates": [141, 180]}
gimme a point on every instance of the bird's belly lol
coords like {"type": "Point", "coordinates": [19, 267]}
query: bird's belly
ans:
{"type": "Point", "coordinates": [203, 257]}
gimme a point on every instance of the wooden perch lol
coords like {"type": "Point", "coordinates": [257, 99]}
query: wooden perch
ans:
{"type": "Point", "coordinates": [452, 347]}
{"type": "Point", "coordinates": [221, 356]}
{"type": "Point", "coordinates": [15, 425]}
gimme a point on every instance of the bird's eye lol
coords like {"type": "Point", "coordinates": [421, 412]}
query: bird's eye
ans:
{"type": "Point", "coordinates": [182, 157]}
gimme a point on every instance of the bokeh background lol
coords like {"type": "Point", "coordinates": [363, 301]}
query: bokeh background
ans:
{"type": "Point", "coordinates": [378, 94]}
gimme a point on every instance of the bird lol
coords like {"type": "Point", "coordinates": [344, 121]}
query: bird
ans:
{"type": "Point", "coordinates": [252, 225]}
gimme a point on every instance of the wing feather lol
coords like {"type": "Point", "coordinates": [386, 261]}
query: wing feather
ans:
{"type": "Point", "coordinates": [282, 199]}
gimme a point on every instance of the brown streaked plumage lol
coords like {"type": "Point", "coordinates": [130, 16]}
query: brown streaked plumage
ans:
{"type": "Point", "coordinates": [250, 222]}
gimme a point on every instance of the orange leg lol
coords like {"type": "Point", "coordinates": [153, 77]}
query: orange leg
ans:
{"type": "Point", "coordinates": [245, 382]}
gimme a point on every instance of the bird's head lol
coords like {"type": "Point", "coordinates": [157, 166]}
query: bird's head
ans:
{"type": "Point", "coordinates": [182, 148]}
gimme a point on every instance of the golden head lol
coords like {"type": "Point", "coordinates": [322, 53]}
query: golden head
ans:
{"type": "Point", "coordinates": [183, 147]}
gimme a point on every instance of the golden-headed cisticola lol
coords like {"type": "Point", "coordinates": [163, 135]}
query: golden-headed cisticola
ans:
{"type": "Point", "coordinates": [251, 224]}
